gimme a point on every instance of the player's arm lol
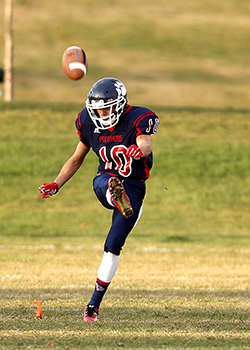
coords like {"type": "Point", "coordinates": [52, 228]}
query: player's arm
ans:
{"type": "Point", "coordinates": [67, 171]}
{"type": "Point", "coordinates": [143, 147]}
{"type": "Point", "coordinates": [144, 142]}
{"type": "Point", "coordinates": [72, 165]}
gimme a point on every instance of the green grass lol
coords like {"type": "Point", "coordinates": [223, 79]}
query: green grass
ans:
{"type": "Point", "coordinates": [183, 278]}
{"type": "Point", "coordinates": [202, 157]}
{"type": "Point", "coordinates": [175, 320]}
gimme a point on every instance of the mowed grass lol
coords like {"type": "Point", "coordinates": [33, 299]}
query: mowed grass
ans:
{"type": "Point", "coordinates": [183, 278]}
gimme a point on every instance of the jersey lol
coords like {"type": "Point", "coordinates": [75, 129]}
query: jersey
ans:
{"type": "Point", "coordinates": [111, 145]}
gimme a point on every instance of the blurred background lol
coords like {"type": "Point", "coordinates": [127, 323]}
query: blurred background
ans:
{"type": "Point", "coordinates": [189, 62]}
{"type": "Point", "coordinates": [167, 52]}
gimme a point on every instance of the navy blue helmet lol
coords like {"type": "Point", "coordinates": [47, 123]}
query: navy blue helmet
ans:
{"type": "Point", "coordinates": [107, 93]}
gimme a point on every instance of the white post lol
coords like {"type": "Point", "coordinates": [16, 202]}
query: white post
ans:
{"type": "Point", "coordinates": [8, 60]}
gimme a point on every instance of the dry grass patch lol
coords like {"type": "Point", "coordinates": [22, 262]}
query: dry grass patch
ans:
{"type": "Point", "coordinates": [172, 53]}
{"type": "Point", "coordinates": [187, 297]}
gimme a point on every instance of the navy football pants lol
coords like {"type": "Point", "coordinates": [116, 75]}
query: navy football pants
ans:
{"type": "Point", "coordinates": [121, 226]}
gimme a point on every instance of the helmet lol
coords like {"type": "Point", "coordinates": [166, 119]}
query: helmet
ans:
{"type": "Point", "coordinates": [107, 93]}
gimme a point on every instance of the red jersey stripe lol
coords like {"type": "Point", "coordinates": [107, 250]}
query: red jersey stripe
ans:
{"type": "Point", "coordinates": [146, 168]}
{"type": "Point", "coordinates": [147, 114]}
{"type": "Point", "coordinates": [78, 121]}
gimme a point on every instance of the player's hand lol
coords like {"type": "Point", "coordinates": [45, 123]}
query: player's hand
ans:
{"type": "Point", "coordinates": [48, 190]}
{"type": "Point", "coordinates": [134, 152]}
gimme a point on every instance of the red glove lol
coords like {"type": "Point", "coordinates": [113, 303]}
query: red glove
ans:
{"type": "Point", "coordinates": [134, 152]}
{"type": "Point", "coordinates": [48, 190]}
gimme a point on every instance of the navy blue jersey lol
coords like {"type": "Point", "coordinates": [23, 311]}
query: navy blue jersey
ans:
{"type": "Point", "coordinates": [111, 145]}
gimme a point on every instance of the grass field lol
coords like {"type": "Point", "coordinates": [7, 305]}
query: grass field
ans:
{"type": "Point", "coordinates": [183, 278]}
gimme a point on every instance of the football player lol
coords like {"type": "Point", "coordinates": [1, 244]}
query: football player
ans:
{"type": "Point", "coordinates": [120, 135]}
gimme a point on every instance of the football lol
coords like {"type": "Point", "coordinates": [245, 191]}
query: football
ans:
{"type": "Point", "coordinates": [74, 63]}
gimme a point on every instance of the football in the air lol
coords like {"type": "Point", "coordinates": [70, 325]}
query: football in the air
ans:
{"type": "Point", "coordinates": [75, 63]}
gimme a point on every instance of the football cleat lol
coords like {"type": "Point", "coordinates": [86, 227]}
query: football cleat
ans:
{"type": "Point", "coordinates": [91, 313]}
{"type": "Point", "coordinates": [119, 197]}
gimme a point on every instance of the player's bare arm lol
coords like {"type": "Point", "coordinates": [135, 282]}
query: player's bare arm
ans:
{"type": "Point", "coordinates": [144, 142]}
{"type": "Point", "coordinates": [72, 165]}
{"type": "Point", "coordinates": [68, 170]}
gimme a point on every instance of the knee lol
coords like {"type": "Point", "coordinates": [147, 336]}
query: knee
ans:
{"type": "Point", "coordinates": [112, 248]}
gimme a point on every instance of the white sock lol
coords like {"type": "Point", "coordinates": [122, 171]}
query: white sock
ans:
{"type": "Point", "coordinates": [108, 267]}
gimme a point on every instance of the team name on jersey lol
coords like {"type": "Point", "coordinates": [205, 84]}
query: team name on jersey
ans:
{"type": "Point", "coordinates": [107, 139]}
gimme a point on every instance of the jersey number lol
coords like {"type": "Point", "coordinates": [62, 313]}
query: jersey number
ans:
{"type": "Point", "coordinates": [119, 160]}
{"type": "Point", "coordinates": [154, 124]}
